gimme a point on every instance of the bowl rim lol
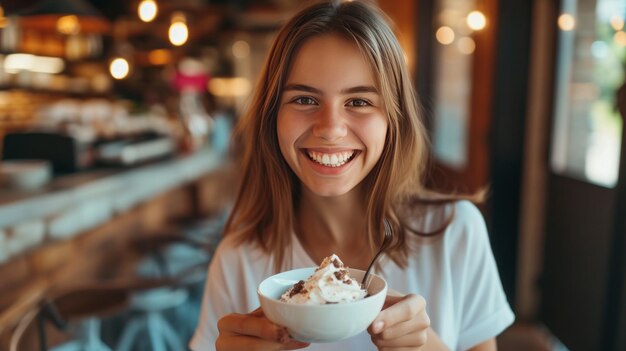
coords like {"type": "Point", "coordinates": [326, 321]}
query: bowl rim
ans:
{"type": "Point", "coordinates": [327, 305]}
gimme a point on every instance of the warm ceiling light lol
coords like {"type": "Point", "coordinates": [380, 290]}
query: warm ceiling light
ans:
{"type": "Point", "coordinates": [3, 20]}
{"type": "Point", "coordinates": [119, 68]}
{"type": "Point", "coordinates": [229, 87]}
{"type": "Point", "coordinates": [178, 32]}
{"type": "Point", "coordinates": [241, 49]}
{"type": "Point", "coordinates": [159, 57]}
{"type": "Point", "coordinates": [466, 45]}
{"type": "Point", "coordinates": [566, 22]}
{"type": "Point", "coordinates": [445, 35]}
{"type": "Point", "coordinates": [147, 10]}
{"type": "Point", "coordinates": [620, 38]}
{"type": "Point", "coordinates": [476, 20]}
{"type": "Point", "coordinates": [14, 63]}
{"type": "Point", "coordinates": [68, 25]}
{"type": "Point", "coordinates": [617, 23]}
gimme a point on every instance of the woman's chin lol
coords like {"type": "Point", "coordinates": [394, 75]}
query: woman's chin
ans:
{"type": "Point", "coordinates": [327, 190]}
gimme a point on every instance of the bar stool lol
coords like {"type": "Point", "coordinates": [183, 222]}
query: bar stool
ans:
{"type": "Point", "coordinates": [88, 305]}
{"type": "Point", "coordinates": [76, 312]}
{"type": "Point", "coordinates": [174, 255]}
{"type": "Point", "coordinates": [174, 264]}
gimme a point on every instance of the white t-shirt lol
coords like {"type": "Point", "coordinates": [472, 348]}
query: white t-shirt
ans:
{"type": "Point", "coordinates": [455, 272]}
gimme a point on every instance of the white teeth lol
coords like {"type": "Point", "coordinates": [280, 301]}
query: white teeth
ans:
{"type": "Point", "coordinates": [331, 160]}
{"type": "Point", "coordinates": [325, 159]}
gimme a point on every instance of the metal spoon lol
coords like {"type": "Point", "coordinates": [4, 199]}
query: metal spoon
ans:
{"type": "Point", "coordinates": [386, 242]}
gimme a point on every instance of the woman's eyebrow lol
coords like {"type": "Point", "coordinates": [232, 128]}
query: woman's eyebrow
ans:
{"type": "Point", "coordinates": [352, 90]}
{"type": "Point", "coordinates": [360, 89]}
{"type": "Point", "coordinates": [302, 87]}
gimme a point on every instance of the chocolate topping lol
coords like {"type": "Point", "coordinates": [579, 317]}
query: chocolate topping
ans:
{"type": "Point", "coordinates": [298, 288]}
{"type": "Point", "coordinates": [340, 275]}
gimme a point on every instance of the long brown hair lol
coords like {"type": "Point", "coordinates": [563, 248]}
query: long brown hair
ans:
{"type": "Point", "coordinates": [264, 210]}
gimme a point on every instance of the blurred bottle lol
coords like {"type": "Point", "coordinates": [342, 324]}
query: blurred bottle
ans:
{"type": "Point", "coordinates": [221, 131]}
{"type": "Point", "coordinates": [190, 79]}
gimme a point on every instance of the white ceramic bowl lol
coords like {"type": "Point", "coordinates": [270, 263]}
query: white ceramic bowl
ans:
{"type": "Point", "coordinates": [320, 323]}
{"type": "Point", "coordinates": [24, 174]}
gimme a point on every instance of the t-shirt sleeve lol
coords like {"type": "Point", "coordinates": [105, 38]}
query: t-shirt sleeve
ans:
{"type": "Point", "coordinates": [216, 303]}
{"type": "Point", "coordinates": [485, 312]}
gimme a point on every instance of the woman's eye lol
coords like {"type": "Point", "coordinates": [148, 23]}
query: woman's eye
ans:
{"type": "Point", "coordinates": [303, 100]}
{"type": "Point", "coordinates": [359, 103]}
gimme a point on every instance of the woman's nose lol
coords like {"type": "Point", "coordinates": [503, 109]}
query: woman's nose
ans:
{"type": "Point", "coordinates": [330, 125]}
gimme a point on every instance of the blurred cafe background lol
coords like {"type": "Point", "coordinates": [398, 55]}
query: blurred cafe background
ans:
{"type": "Point", "coordinates": [116, 176]}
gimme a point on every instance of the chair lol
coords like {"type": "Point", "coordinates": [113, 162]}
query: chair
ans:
{"type": "Point", "coordinates": [173, 263]}
{"type": "Point", "coordinates": [172, 255]}
{"type": "Point", "coordinates": [84, 305]}
{"type": "Point", "coordinates": [76, 312]}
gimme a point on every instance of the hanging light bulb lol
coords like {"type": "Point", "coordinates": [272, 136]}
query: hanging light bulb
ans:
{"type": "Point", "coordinates": [178, 32]}
{"type": "Point", "coordinates": [445, 35]}
{"type": "Point", "coordinates": [466, 45]}
{"type": "Point", "coordinates": [476, 20]}
{"type": "Point", "coordinates": [68, 25]}
{"type": "Point", "coordinates": [620, 38]}
{"type": "Point", "coordinates": [3, 20]}
{"type": "Point", "coordinates": [566, 22]}
{"type": "Point", "coordinates": [121, 64]}
{"type": "Point", "coordinates": [119, 68]}
{"type": "Point", "coordinates": [617, 22]}
{"type": "Point", "coordinates": [147, 10]}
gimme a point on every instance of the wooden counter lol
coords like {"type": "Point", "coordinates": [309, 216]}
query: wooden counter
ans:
{"type": "Point", "coordinates": [78, 228]}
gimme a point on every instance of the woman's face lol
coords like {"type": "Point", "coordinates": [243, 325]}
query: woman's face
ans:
{"type": "Point", "coordinates": [331, 124]}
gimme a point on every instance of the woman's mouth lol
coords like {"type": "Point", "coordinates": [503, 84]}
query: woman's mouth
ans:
{"type": "Point", "coordinates": [335, 159]}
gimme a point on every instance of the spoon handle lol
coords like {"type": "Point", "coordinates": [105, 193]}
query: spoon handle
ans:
{"type": "Point", "coordinates": [365, 282]}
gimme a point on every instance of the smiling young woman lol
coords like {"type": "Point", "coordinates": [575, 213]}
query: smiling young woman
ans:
{"type": "Point", "coordinates": [334, 146]}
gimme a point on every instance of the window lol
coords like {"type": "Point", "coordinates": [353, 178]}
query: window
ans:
{"type": "Point", "coordinates": [591, 56]}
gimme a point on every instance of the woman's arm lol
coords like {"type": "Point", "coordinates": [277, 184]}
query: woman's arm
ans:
{"type": "Point", "coordinates": [489, 345]}
{"type": "Point", "coordinates": [434, 343]}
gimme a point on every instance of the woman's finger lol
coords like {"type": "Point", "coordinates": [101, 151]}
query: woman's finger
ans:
{"type": "Point", "coordinates": [398, 310]}
{"type": "Point", "coordinates": [418, 324]}
{"type": "Point", "coordinates": [249, 324]}
{"type": "Point", "coordinates": [249, 343]}
{"type": "Point", "coordinates": [396, 348]}
{"type": "Point", "coordinates": [414, 339]}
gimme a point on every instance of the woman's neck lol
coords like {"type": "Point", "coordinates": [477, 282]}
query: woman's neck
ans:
{"type": "Point", "coordinates": [327, 225]}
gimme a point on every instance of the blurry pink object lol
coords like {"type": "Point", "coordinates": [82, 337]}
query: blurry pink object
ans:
{"type": "Point", "coordinates": [191, 76]}
{"type": "Point", "coordinates": [197, 82]}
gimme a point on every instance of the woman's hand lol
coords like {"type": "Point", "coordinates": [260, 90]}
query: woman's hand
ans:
{"type": "Point", "coordinates": [253, 332]}
{"type": "Point", "coordinates": [402, 324]}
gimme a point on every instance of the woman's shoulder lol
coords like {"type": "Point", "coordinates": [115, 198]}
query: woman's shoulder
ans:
{"type": "Point", "coordinates": [467, 213]}
{"type": "Point", "coordinates": [228, 245]}
{"type": "Point", "coordinates": [456, 224]}
{"type": "Point", "coordinates": [233, 251]}
{"type": "Point", "coordinates": [430, 217]}
{"type": "Point", "coordinates": [467, 232]}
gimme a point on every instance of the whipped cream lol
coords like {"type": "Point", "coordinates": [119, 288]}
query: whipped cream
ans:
{"type": "Point", "coordinates": [331, 283]}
